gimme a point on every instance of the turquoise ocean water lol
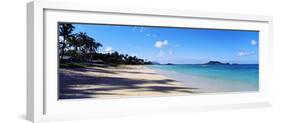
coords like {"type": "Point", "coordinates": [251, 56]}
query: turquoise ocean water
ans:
{"type": "Point", "coordinates": [237, 77]}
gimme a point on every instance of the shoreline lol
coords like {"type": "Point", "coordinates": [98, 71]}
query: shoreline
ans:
{"type": "Point", "coordinates": [118, 82]}
{"type": "Point", "coordinates": [207, 85]}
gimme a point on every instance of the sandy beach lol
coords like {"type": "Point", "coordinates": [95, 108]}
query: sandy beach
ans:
{"type": "Point", "coordinates": [117, 82]}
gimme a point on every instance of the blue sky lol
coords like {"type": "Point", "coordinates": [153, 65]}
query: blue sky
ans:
{"type": "Point", "coordinates": [176, 45]}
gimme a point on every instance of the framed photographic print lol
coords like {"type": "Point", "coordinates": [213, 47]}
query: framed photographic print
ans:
{"type": "Point", "coordinates": [101, 61]}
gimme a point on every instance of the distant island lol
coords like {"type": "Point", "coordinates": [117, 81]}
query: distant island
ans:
{"type": "Point", "coordinates": [219, 63]}
{"type": "Point", "coordinates": [169, 64]}
{"type": "Point", "coordinates": [155, 63]}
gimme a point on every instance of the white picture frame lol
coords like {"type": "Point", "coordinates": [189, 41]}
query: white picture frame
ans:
{"type": "Point", "coordinates": [42, 103]}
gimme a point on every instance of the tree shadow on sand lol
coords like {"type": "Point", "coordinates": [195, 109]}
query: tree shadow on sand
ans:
{"type": "Point", "coordinates": [69, 83]}
{"type": "Point", "coordinates": [92, 70]}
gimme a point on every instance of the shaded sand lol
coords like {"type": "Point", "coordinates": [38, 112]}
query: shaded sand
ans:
{"type": "Point", "coordinates": [116, 82]}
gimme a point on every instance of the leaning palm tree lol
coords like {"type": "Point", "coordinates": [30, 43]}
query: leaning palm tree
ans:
{"type": "Point", "coordinates": [87, 45]}
{"type": "Point", "coordinates": [92, 46]}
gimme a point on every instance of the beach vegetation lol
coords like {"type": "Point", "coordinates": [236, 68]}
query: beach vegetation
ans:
{"type": "Point", "coordinates": [78, 49]}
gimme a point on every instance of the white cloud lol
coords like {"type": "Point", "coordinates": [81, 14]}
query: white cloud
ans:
{"type": "Point", "coordinates": [150, 35]}
{"type": "Point", "coordinates": [109, 50]}
{"type": "Point", "coordinates": [138, 29]}
{"type": "Point", "coordinates": [171, 52]}
{"type": "Point", "coordinates": [133, 54]}
{"type": "Point", "coordinates": [161, 44]}
{"type": "Point", "coordinates": [245, 53]}
{"type": "Point", "coordinates": [253, 42]}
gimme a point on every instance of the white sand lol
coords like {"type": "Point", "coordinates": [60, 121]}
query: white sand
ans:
{"type": "Point", "coordinates": [116, 82]}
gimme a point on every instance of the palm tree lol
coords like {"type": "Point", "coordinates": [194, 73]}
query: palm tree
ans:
{"type": "Point", "coordinates": [65, 32]}
{"type": "Point", "coordinates": [73, 43]}
{"type": "Point", "coordinates": [83, 48]}
{"type": "Point", "coordinates": [87, 45]}
{"type": "Point", "coordinates": [92, 46]}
